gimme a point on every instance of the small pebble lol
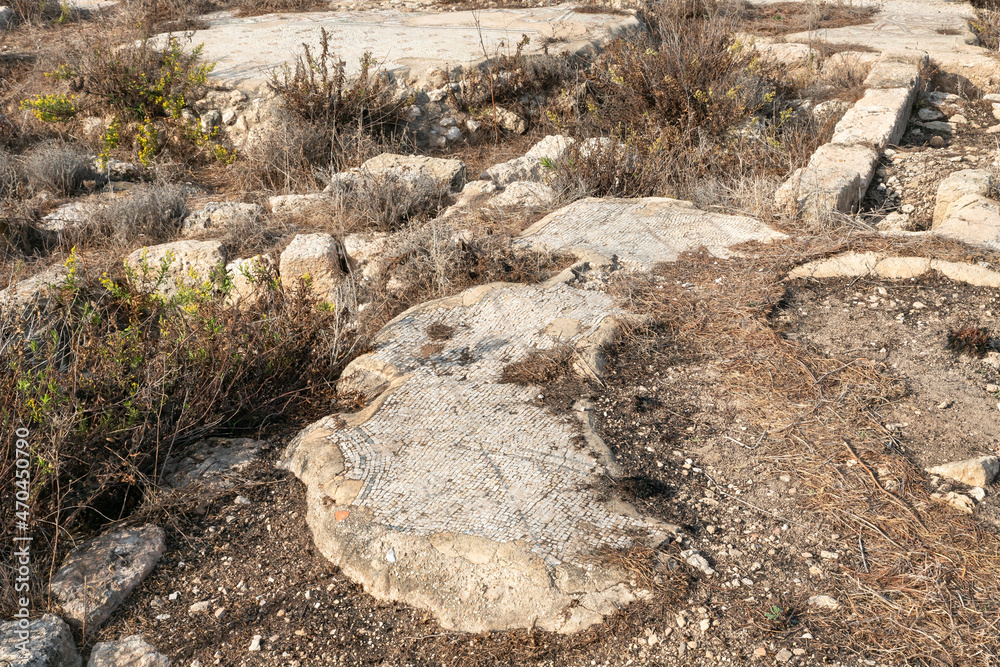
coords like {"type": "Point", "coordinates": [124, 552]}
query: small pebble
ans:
{"type": "Point", "coordinates": [255, 643]}
{"type": "Point", "coordinates": [199, 607]}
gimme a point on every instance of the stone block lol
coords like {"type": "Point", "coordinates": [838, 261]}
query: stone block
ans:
{"type": "Point", "coordinates": [314, 258]}
{"type": "Point", "coordinates": [97, 576]}
{"type": "Point", "coordinates": [835, 180]}
{"type": "Point", "coordinates": [957, 185]}
{"type": "Point", "coordinates": [49, 644]}
{"type": "Point", "coordinates": [877, 119]}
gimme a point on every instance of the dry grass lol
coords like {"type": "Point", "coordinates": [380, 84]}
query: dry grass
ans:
{"type": "Point", "coordinates": [257, 7]}
{"type": "Point", "coordinates": [147, 214]}
{"type": "Point", "coordinates": [657, 97]}
{"type": "Point", "coordinates": [36, 11]}
{"type": "Point", "coordinates": [922, 586]}
{"type": "Point", "coordinates": [60, 169]}
{"type": "Point", "coordinates": [784, 18]}
{"type": "Point", "coordinates": [970, 340]}
{"type": "Point", "coordinates": [540, 367]}
{"type": "Point", "coordinates": [986, 25]}
{"type": "Point", "coordinates": [121, 378]}
{"type": "Point", "coordinates": [439, 331]}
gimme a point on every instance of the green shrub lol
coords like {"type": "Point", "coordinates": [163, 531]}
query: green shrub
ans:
{"type": "Point", "coordinates": [110, 379]}
{"type": "Point", "coordinates": [144, 87]}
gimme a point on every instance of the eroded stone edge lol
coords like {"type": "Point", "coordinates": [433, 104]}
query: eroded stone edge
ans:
{"type": "Point", "coordinates": [855, 264]}
{"type": "Point", "coordinates": [455, 564]}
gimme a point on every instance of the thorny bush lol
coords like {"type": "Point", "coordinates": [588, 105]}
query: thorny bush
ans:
{"type": "Point", "coordinates": [111, 378]}
{"type": "Point", "coordinates": [686, 102]}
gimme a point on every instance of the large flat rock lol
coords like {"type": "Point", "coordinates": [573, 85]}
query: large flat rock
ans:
{"type": "Point", "coordinates": [939, 27]}
{"type": "Point", "coordinates": [463, 495]}
{"type": "Point", "coordinates": [930, 25]}
{"type": "Point", "coordinates": [246, 50]}
{"type": "Point", "coordinates": [642, 232]}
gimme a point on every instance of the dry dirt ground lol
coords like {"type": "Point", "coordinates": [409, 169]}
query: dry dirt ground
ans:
{"type": "Point", "coordinates": [690, 456]}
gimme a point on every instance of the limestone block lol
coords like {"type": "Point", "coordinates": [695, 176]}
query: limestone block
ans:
{"type": "Point", "coordinates": [510, 121]}
{"type": "Point", "coordinates": [532, 165]}
{"type": "Point", "coordinates": [958, 185]}
{"type": "Point", "coordinates": [249, 279]}
{"type": "Point", "coordinates": [131, 651]}
{"type": "Point", "coordinates": [958, 501]}
{"type": "Point", "coordinates": [979, 471]}
{"type": "Point", "coordinates": [363, 249]}
{"type": "Point", "coordinates": [49, 643]}
{"type": "Point", "coordinates": [834, 180]}
{"type": "Point", "coordinates": [98, 575]}
{"type": "Point", "coordinates": [877, 119]}
{"type": "Point", "coordinates": [426, 176]}
{"type": "Point", "coordinates": [474, 194]}
{"type": "Point", "coordinates": [221, 215]}
{"type": "Point", "coordinates": [315, 258]}
{"type": "Point", "coordinates": [298, 204]}
{"type": "Point", "coordinates": [892, 73]}
{"type": "Point", "coordinates": [853, 264]}
{"type": "Point", "coordinates": [37, 290]}
{"type": "Point", "coordinates": [215, 464]}
{"type": "Point", "coordinates": [524, 195]}
{"type": "Point", "coordinates": [67, 217]}
{"type": "Point", "coordinates": [170, 267]}
{"type": "Point", "coordinates": [972, 219]}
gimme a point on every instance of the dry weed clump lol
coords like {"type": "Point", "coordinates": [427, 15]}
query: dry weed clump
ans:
{"type": "Point", "coordinates": [285, 157]}
{"type": "Point", "coordinates": [987, 23]}
{"type": "Point", "coordinates": [684, 103]}
{"type": "Point", "coordinates": [970, 340]}
{"type": "Point", "coordinates": [155, 16]}
{"type": "Point", "coordinates": [783, 18]}
{"type": "Point", "coordinates": [148, 213]}
{"type": "Point", "coordinates": [540, 367]}
{"type": "Point", "coordinates": [37, 11]}
{"type": "Point", "coordinates": [921, 584]}
{"type": "Point", "coordinates": [438, 259]}
{"type": "Point", "coordinates": [111, 380]}
{"type": "Point", "coordinates": [336, 121]}
{"type": "Point", "coordinates": [60, 169]}
{"type": "Point", "coordinates": [257, 7]}
{"type": "Point", "coordinates": [11, 178]}
{"type": "Point", "coordinates": [386, 203]}
{"type": "Point", "coordinates": [319, 90]}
